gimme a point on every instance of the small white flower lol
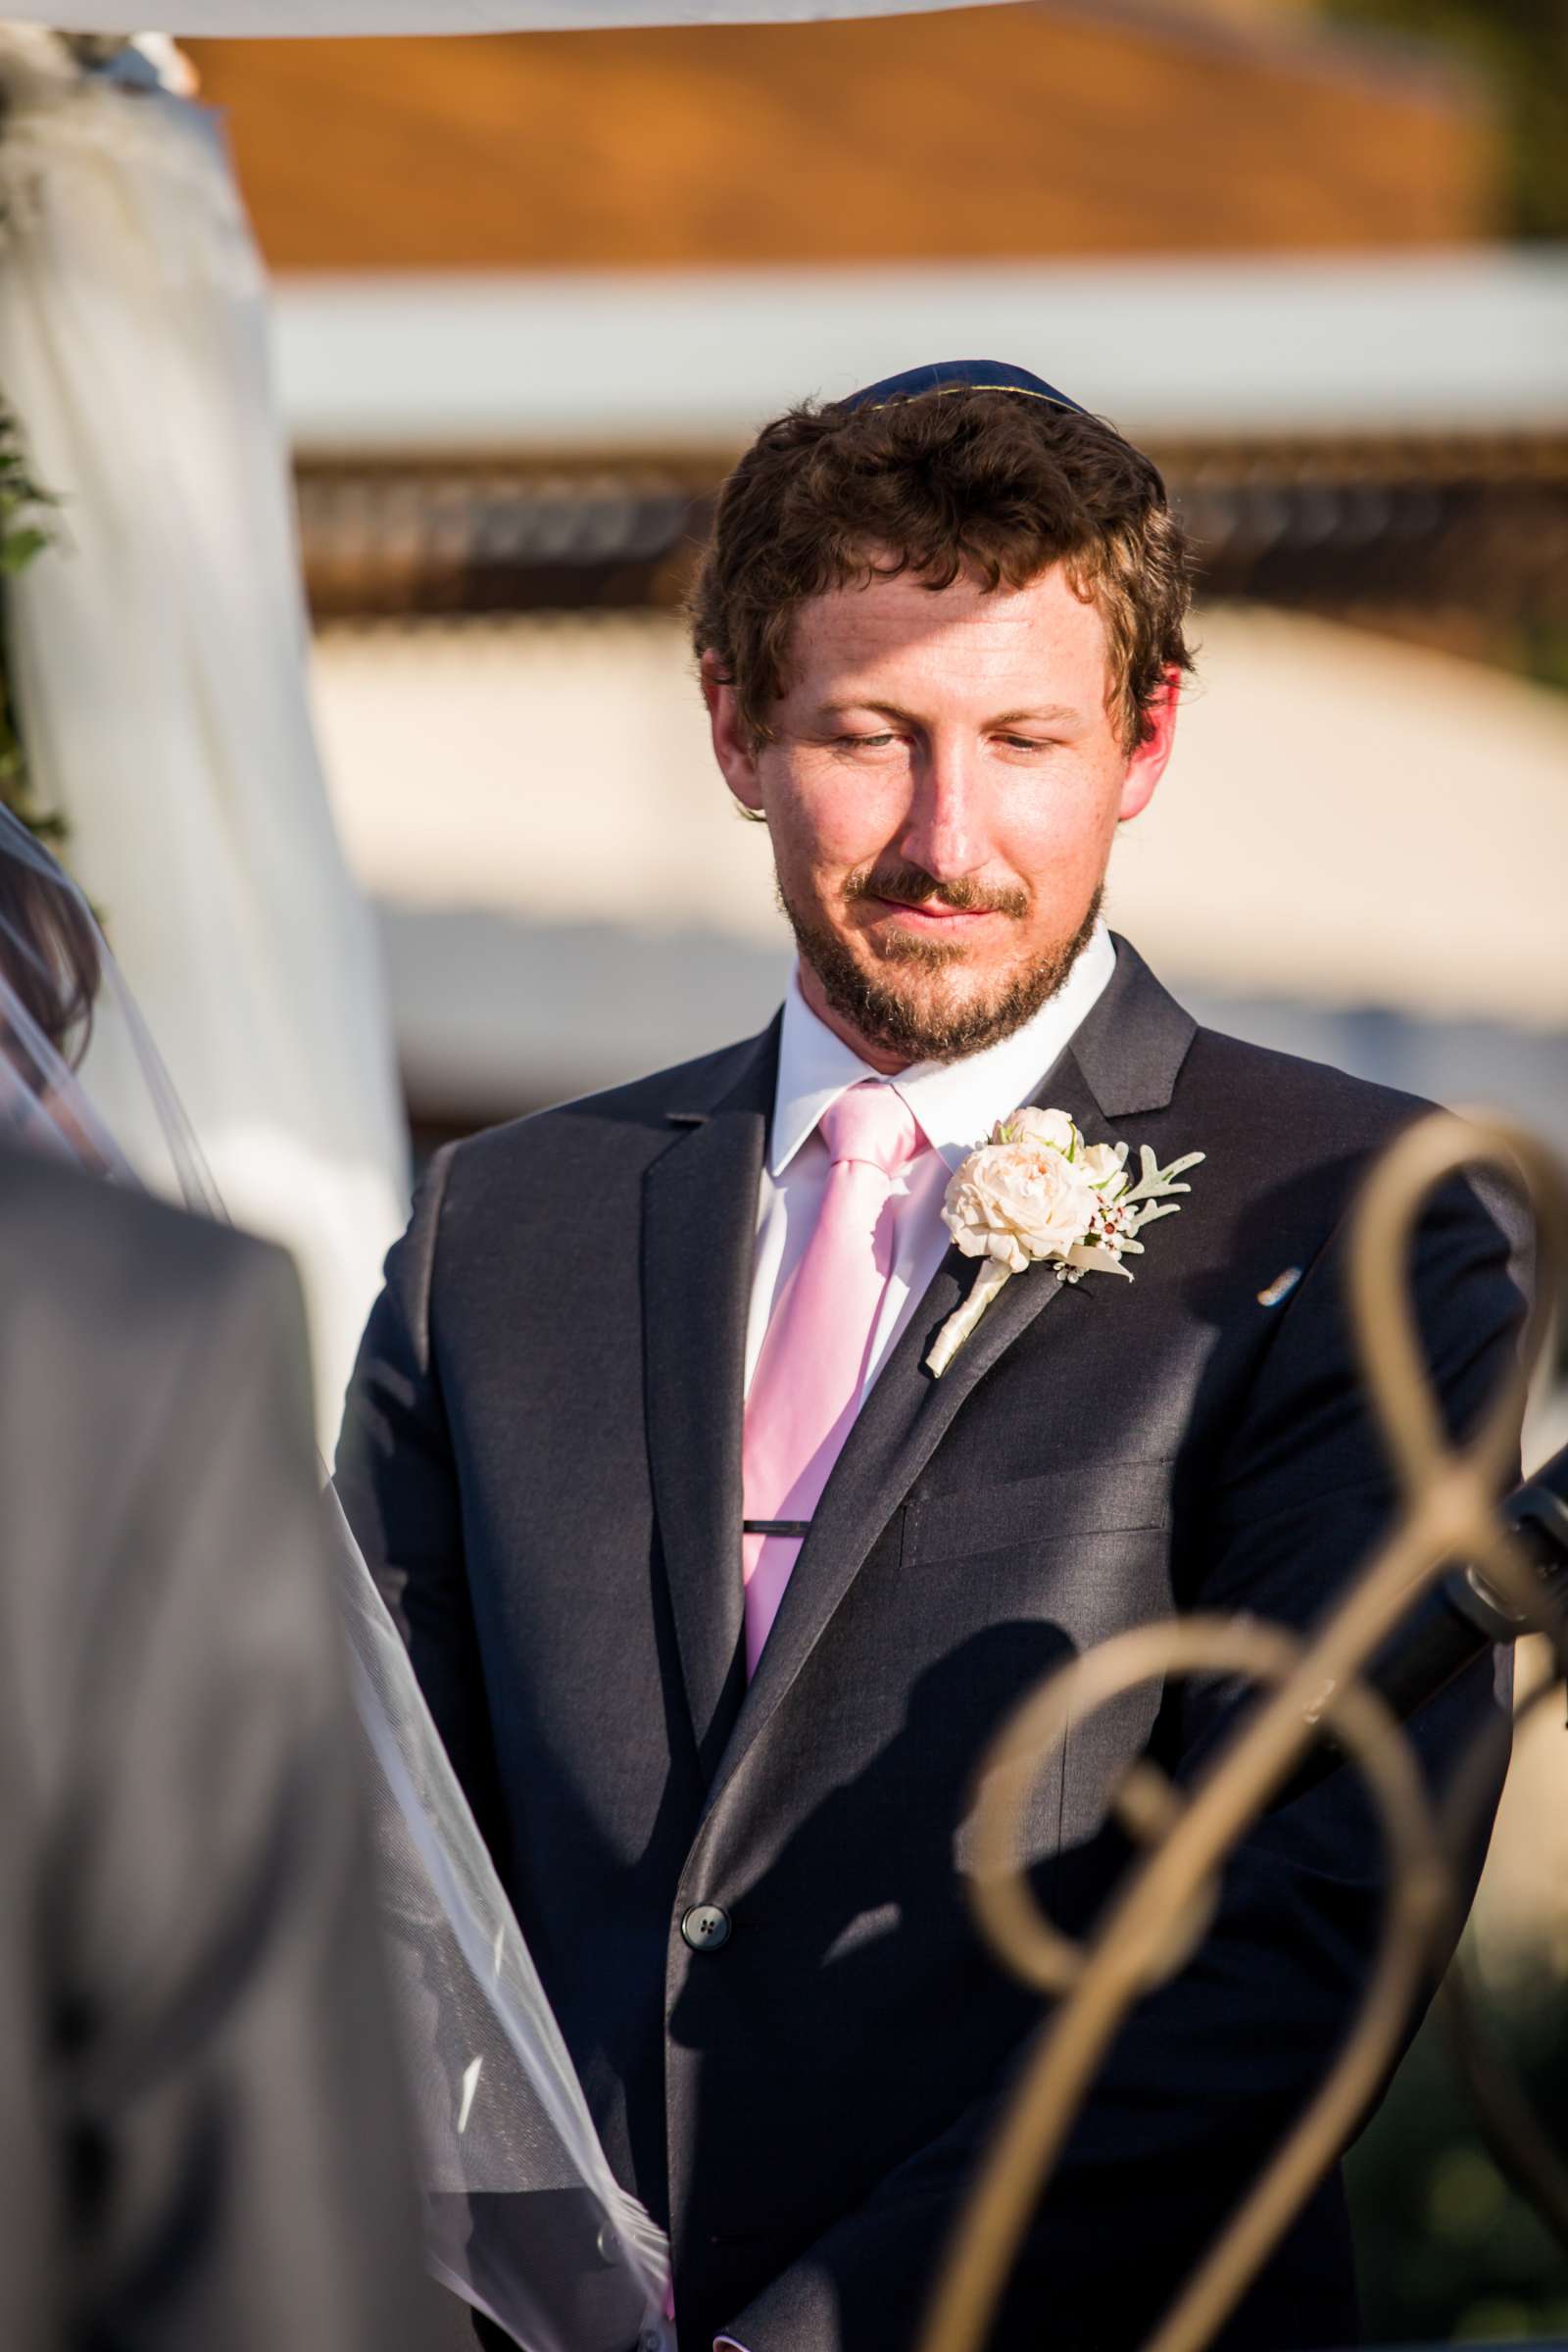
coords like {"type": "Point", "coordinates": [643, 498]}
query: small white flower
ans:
{"type": "Point", "coordinates": [1103, 1163]}
{"type": "Point", "coordinates": [1036, 1194]}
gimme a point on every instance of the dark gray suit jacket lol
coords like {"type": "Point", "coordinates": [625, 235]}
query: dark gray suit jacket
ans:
{"type": "Point", "coordinates": [200, 2114]}
{"type": "Point", "coordinates": [542, 1459]}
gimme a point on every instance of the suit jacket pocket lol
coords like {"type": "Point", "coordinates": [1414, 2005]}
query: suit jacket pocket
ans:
{"type": "Point", "coordinates": [1090, 1498]}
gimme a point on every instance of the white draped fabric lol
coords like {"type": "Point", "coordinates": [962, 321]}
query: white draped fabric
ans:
{"type": "Point", "coordinates": [208, 19]}
{"type": "Point", "coordinates": [159, 666]}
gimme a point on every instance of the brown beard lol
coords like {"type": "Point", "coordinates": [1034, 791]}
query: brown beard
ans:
{"type": "Point", "coordinates": [884, 1016]}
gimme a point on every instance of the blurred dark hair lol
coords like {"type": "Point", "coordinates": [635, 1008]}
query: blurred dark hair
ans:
{"type": "Point", "coordinates": [984, 483]}
{"type": "Point", "coordinates": [48, 955]}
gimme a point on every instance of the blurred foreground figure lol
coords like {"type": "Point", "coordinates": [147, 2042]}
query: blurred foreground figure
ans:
{"type": "Point", "coordinates": [202, 2129]}
{"type": "Point", "coordinates": [521, 2216]}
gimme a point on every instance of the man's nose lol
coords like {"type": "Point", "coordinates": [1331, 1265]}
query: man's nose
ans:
{"type": "Point", "coordinates": [943, 830]}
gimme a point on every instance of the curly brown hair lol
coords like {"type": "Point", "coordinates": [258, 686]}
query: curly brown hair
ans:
{"type": "Point", "coordinates": [991, 483]}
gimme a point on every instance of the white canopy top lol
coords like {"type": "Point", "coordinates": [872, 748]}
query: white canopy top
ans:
{"type": "Point", "coordinates": [210, 19]}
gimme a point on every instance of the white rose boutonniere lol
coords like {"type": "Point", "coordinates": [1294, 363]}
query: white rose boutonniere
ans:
{"type": "Point", "coordinates": [1038, 1194]}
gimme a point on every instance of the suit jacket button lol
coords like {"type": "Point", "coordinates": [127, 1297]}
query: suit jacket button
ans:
{"type": "Point", "coordinates": [706, 1928]}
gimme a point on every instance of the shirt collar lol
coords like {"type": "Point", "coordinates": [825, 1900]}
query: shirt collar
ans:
{"type": "Point", "coordinates": [956, 1102]}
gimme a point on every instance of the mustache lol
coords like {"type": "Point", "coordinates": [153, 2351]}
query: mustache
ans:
{"type": "Point", "coordinates": [912, 886]}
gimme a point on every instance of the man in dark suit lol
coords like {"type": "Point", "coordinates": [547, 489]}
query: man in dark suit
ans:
{"type": "Point", "coordinates": [202, 2126]}
{"type": "Point", "coordinates": [718, 1593]}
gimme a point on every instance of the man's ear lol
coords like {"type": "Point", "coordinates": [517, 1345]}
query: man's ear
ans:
{"type": "Point", "coordinates": [1148, 761]}
{"type": "Point", "coordinates": [732, 741]}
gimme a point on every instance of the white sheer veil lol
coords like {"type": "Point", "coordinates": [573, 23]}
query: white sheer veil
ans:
{"type": "Point", "coordinates": [524, 2218]}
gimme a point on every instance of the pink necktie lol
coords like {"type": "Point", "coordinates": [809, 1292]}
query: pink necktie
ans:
{"type": "Point", "coordinates": [806, 1390]}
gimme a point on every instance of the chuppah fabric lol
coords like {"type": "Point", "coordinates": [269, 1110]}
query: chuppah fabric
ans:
{"type": "Point", "coordinates": [210, 20]}
{"type": "Point", "coordinates": [155, 653]}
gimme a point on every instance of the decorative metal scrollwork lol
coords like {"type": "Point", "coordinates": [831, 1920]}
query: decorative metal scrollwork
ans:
{"type": "Point", "coordinates": [1312, 1684]}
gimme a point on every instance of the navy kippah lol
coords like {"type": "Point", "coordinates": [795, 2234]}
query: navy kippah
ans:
{"type": "Point", "coordinates": [959, 375]}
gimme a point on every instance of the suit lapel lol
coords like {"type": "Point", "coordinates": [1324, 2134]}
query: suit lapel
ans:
{"type": "Point", "coordinates": [699, 1242]}
{"type": "Point", "coordinates": [1130, 1048]}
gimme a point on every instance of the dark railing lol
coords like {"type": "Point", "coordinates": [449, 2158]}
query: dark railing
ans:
{"type": "Point", "coordinates": [1458, 542]}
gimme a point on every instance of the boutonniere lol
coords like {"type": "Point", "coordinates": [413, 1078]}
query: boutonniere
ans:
{"type": "Point", "coordinates": [1038, 1194]}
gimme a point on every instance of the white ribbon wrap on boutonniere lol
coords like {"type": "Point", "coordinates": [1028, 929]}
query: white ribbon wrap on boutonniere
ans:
{"type": "Point", "coordinates": [1038, 1194]}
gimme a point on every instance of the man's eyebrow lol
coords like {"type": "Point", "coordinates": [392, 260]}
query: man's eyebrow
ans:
{"type": "Point", "coordinates": [857, 702]}
{"type": "Point", "coordinates": [1046, 713]}
{"type": "Point", "coordinates": [1040, 713]}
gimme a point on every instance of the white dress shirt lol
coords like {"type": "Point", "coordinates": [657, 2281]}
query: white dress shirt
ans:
{"type": "Point", "coordinates": [956, 1104]}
